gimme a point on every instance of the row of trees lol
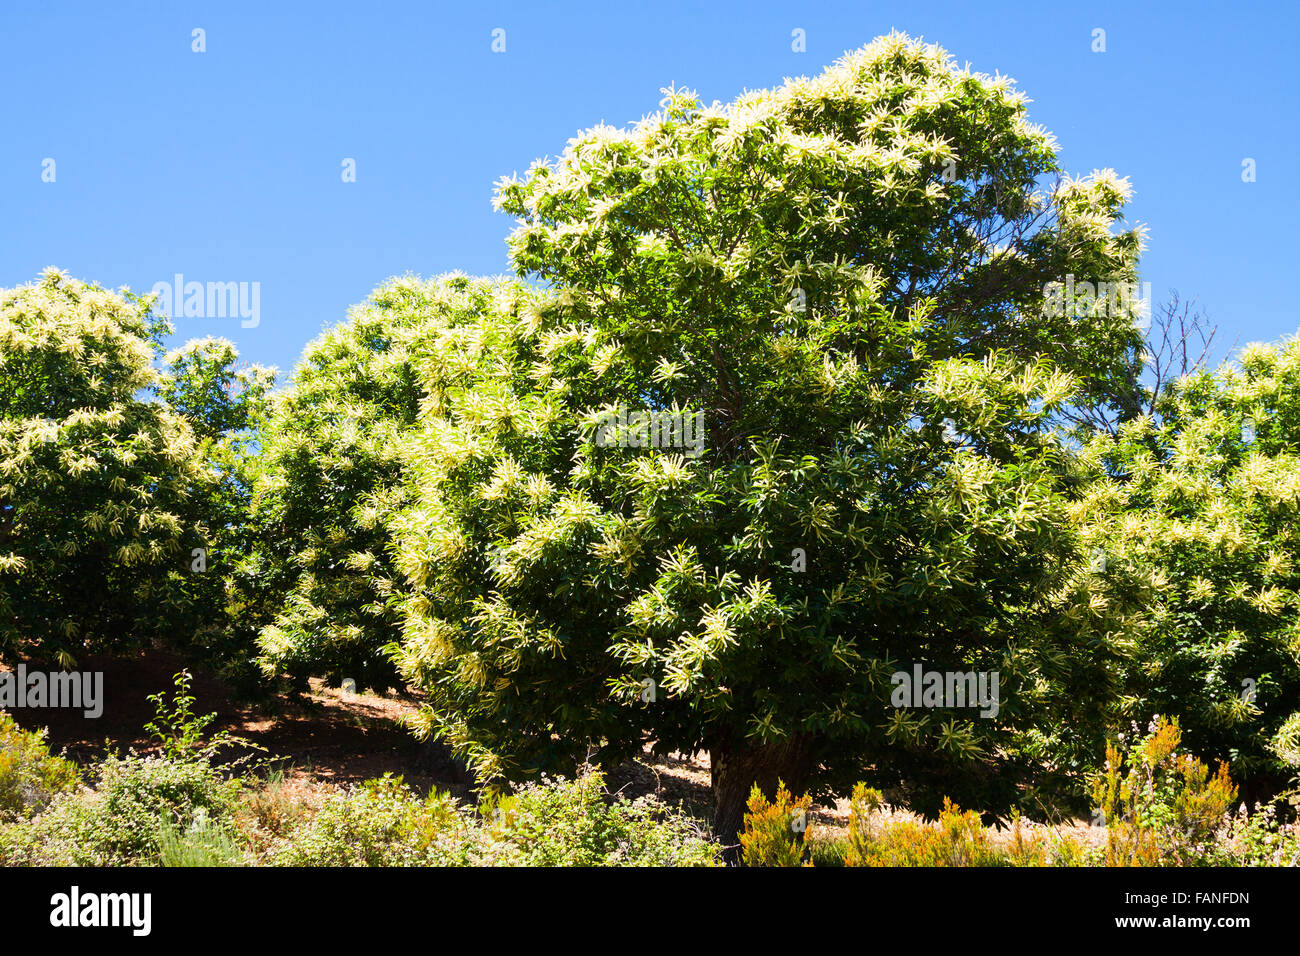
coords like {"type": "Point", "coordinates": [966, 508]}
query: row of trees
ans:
{"type": "Point", "coordinates": [909, 458]}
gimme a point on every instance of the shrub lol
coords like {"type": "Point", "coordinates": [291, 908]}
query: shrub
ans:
{"type": "Point", "coordinates": [181, 731]}
{"type": "Point", "coordinates": [960, 839]}
{"type": "Point", "coordinates": [552, 823]}
{"type": "Point", "coordinates": [30, 775]}
{"type": "Point", "coordinates": [1050, 848]}
{"type": "Point", "coordinates": [1161, 807]}
{"type": "Point", "coordinates": [578, 823]}
{"type": "Point", "coordinates": [864, 802]}
{"type": "Point", "coordinates": [271, 811]}
{"type": "Point", "coordinates": [200, 844]}
{"type": "Point", "coordinates": [824, 851]}
{"type": "Point", "coordinates": [122, 821]}
{"type": "Point", "coordinates": [16, 844]}
{"type": "Point", "coordinates": [1255, 839]}
{"type": "Point", "coordinates": [773, 831]}
{"type": "Point", "coordinates": [380, 823]}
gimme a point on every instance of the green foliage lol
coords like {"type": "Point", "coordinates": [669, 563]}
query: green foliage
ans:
{"type": "Point", "coordinates": [578, 823]}
{"type": "Point", "coordinates": [320, 571]}
{"type": "Point", "coordinates": [796, 267]}
{"type": "Point", "coordinates": [156, 811]}
{"type": "Point", "coordinates": [180, 730]}
{"type": "Point", "coordinates": [97, 482]}
{"type": "Point", "coordinates": [559, 823]}
{"type": "Point", "coordinates": [1199, 521]}
{"type": "Point", "coordinates": [1255, 839]}
{"type": "Point", "coordinates": [114, 474]}
{"type": "Point", "coordinates": [122, 822]}
{"type": "Point", "coordinates": [910, 201]}
{"type": "Point", "coordinates": [30, 776]}
{"type": "Point", "coordinates": [845, 278]}
{"type": "Point", "coordinates": [202, 844]}
{"type": "Point", "coordinates": [219, 399]}
{"type": "Point", "coordinates": [380, 823]}
{"type": "Point", "coordinates": [226, 405]}
{"type": "Point", "coordinates": [823, 851]}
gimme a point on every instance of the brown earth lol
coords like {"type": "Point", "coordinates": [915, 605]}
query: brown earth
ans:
{"type": "Point", "coordinates": [324, 734]}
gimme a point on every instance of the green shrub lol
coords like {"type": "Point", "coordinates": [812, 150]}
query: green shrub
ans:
{"type": "Point", "coordinates": [30, 775]}
{"type": "Point", "coordinates": [553, 823]}
{"type": "Point", "coordinates": [380, 823]}
{"type": "Point", "coordinates": [201, 844]}
{"type": "Point", "coordinates": [1255, 839]}
{"type": "Point", "coordinates": [827, 851]}
{"type": "Point", "coordinates": [178, 728]}
{"type": "Point", "coordinates": [577, 823]}
{"type": "Point", "coordinates": [122, 821]}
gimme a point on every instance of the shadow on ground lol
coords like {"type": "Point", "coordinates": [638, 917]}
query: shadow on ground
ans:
{"type": "Point", "coordinates": [325, 735]}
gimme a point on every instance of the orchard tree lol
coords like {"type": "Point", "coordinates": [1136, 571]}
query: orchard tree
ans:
{"type": "Point", "coordinates": [225, 404]}
{"type": "Point", "coordinates": [100, 482]}
{"type": "Point", "coordinates": [846, 278]}
{"type": "Point", "coordinates": [319, 573]}
{"type": "Point", "coordinates": [1196, 513]}
{"type": "Point", "coordinates": [204, 383]}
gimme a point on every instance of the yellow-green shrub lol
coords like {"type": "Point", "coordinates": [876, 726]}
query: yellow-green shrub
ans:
{"type": "Point", "coordinates": [1162, 807]}
{"type": "Point", "coordinates": [30, 775]}
{"type": "Point", "coordinates": [959, 839]}
{"type": "Point", "coordinates": [771, 836]}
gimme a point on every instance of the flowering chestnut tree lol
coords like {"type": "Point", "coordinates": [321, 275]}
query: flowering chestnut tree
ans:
{"type": "Point", "coordinates": [846, 277]}
{"type": "Point", "coordinates": [112, 491]}
{"type": "Point", "coordinates": [1196, 518]}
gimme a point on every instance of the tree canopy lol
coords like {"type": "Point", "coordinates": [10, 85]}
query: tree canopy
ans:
{"type": "Point", "coordinates": [1196, 518]}
{"type": "Point", "coordinates": [878, 372]}
{"type": "Point", "coordinates": [98, 479]}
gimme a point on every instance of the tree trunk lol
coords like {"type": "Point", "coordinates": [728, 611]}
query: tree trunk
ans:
{"type": "Point", "coordinates": [735, 770]}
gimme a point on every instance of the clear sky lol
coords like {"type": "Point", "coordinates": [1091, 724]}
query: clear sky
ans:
{"type": "Point", "coordinates": [227, 165]}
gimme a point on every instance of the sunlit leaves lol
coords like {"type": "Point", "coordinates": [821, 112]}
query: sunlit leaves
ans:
{"type": "Point", "coordinates": [1217, 519]}
{"type": "Point", "coordinates": [796, 266]}
{"type": "Point", "coordinates": [105, 485]}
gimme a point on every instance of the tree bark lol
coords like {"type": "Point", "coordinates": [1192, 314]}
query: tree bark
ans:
{"type": "Point", "coordinates": [735, 770]}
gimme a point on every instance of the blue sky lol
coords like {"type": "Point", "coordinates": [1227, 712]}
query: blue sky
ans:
{"type": "Point", "coordinates": [226, 165]}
